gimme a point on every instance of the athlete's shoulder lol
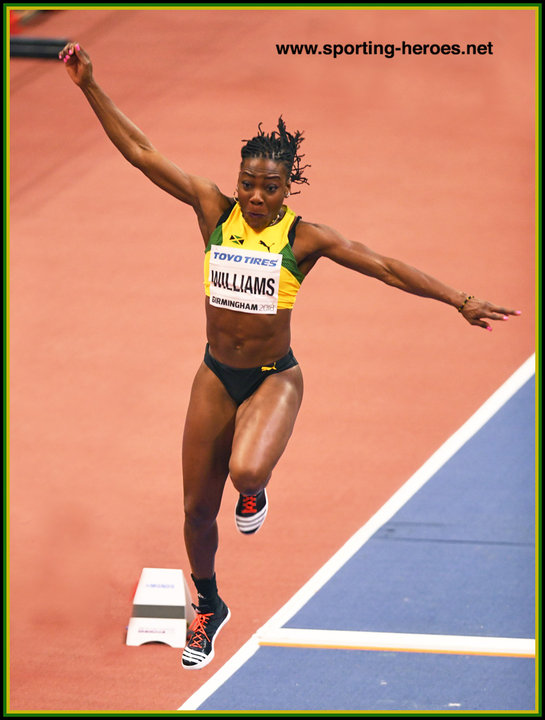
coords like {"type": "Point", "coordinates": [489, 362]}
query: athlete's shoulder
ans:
{"type": "Point", "coordinates": [213, 210]}
{"type": "Point", "coordinates": [316, 237]}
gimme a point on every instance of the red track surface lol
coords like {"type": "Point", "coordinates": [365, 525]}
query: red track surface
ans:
{"type": "Point", "coordinates": [425, 158]}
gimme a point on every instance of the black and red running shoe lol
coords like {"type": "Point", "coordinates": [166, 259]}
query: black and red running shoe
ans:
{"type": "Point", "coordinates": [250, 512]}
{"type": "Point", "coordinates": [199, 649]}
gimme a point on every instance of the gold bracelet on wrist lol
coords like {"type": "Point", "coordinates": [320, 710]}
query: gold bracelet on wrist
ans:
{"type": "Point", "coordinates": [462, 306]}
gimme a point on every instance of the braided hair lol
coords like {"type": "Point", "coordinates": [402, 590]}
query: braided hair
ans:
{"type": "Point", "coordinates": [281, 146]}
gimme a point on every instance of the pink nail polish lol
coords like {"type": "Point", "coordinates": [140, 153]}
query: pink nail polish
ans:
{"type": "Point", "coordinates": [505, 317]}
{"type": "Point", "coordinates": [77, 47]}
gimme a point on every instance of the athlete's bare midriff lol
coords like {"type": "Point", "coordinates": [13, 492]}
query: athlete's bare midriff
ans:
{"type": "Point", "coordinates": [244, 340]}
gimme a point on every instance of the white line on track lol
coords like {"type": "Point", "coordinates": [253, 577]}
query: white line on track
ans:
{"type": "Point", "coordinates": [273, 627]}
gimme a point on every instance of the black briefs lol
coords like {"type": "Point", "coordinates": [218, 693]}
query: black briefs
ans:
{"type": "Point", "coordinates": [240, 383]}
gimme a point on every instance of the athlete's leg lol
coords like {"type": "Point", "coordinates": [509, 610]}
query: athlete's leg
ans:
{"type": "Point", "coordinates": [264, 424]}
{"type": "Point", "coordinates": [208, 436]}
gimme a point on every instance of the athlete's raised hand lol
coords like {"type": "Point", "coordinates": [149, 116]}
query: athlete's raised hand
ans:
{"type": "Point", "coordinates": [78, 63]}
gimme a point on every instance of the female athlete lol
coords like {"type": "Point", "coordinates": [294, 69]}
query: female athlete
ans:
{"type": "Point", "coordinates": [248, 390]}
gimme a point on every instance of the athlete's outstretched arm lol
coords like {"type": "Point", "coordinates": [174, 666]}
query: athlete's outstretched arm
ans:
{"type": "Point", "coordinates": [133, 144]}
{"type": "Point", "coordinates": [356, 256]}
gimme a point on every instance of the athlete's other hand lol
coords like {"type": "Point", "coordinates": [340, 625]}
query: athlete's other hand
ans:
{"type": "Point", "coordinates": [78, 63]}
{"type": "Point", "coordinates": [475, 311]}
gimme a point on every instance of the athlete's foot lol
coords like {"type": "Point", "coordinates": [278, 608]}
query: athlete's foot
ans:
{"type": "Point", "coordinates": [250, 512]}
{"type": "Point", "coordinates": [202, 634]}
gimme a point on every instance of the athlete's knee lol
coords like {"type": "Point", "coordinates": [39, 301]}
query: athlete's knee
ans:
{"type": "Point", "coordinates": [199, 515]}
{"type": "Point", "coordinates": [249, 480]}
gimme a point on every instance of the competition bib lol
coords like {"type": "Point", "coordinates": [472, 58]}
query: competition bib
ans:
{"type": "Point", "coordinates": [244, 280]}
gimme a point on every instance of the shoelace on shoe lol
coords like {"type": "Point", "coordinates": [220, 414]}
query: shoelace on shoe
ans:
{"type": "Point", "coordinates": [249, 504]}
{"type": "Point", "coordinates": [197, 630]}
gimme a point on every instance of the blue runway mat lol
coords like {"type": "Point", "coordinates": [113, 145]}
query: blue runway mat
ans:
{"type": "Point", "coordinates": [459, 557]}
{"type": "Point", "coordinates": [456, 559]}
{"type": "Point", "coordinates": [293, 679]}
